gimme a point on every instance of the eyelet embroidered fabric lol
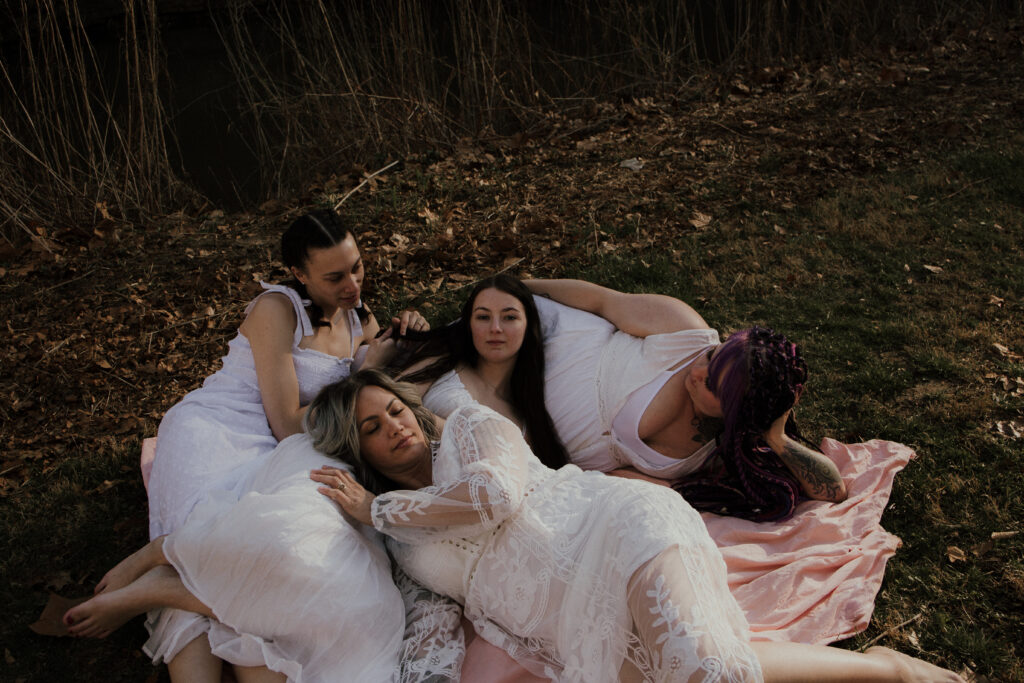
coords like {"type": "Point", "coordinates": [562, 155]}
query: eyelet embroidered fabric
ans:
{"type": "Point", "coordinates": [579, 576]}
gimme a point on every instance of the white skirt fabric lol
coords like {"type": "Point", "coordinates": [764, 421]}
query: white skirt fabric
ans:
{"type": "Point", "coordinates": [294, 584]}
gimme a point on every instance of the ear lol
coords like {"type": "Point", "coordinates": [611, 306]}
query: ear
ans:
{"type": "Point", "coordinates": [299, 275]}
{"type": "Point", "coordinates": [698, 373]}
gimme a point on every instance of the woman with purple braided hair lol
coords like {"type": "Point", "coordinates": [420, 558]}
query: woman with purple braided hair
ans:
{"type": "Point", "coordinates": [639, 384]}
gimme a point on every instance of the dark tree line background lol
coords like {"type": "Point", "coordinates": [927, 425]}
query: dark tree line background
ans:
{"type": "Point", "coordinates": [134, 108]}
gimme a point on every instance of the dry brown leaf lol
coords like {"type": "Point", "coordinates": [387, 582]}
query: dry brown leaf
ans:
{"type": "Point", "coordinates": [1009, 428]}
{"type": "Point", "coordinates": [955, 554]}
{"type": "Point", "coordinates": [102, 208]}
{"type": "Point", "coordinates": [933, 269]}
{"type": "Point", "coordinates": [700, 220]}
{"type": "Point", "coordinates": [1005, 352]}
{"type": "Point", "coordinates": [428, 216]}
{"type": "Point", "coordinates": [51, 621]}
{"type": "Point", "coordinates": [998, 535]}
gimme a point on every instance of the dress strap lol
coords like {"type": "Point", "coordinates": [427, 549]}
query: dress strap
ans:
{"type": "Point", "coordinates": [355, 329]}
{"type": "Point", "coordinates": [303, 327]}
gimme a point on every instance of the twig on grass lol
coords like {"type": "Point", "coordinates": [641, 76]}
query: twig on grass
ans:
{"type": "Point", "coordinates": [953, 194]}
{"type": "Point", "coordinates": [889, 632]}
{"type": "Point", "coordinates": [365, 180]}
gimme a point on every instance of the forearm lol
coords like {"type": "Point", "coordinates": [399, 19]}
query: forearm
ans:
{"type": "Point", "coordinates": [817, 474]}
{"type": "Point", "coordinates": [579, 294]}
{"type": "Point", "coordinates": [640, 315]}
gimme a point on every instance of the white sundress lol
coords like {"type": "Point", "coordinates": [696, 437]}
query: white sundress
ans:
{"type": "Point", "coordinates": [564, 568]}
{"type": "Point", "coordinates": [591, 370]}
{"type": "Point", "coordinates": [211, 439]}
{"type": "Point", "coordinates": [205, 440]}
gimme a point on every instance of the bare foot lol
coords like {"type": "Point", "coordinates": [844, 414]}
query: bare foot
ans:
{"type": "Point", "coordinates": [101, 615]}
{"type": "Point", "coordinates": [913, 669]}
{"type": "Point", "coordinates": [133, 566]}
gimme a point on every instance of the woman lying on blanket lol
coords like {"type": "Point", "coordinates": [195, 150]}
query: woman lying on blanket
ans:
{"type": "Point", "coordinates": [578, 576]}
{"type": "Point", "coordinates": [295, 338]}
{"type": "Point", "coordinates": [634, 381]}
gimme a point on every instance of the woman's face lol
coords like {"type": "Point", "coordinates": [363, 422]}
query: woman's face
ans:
{"type": "Point", "coordinates": [704, 396]}
{"type": "Point", "coordinates": [333, 276]}
{"type": "Point", "coordinates": [498, 325]}
{"type": "Point", "coordinates": [390, 438]}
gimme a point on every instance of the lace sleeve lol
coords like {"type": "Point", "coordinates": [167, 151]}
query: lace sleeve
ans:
{"type": "Point", "coordinates": [488, 485]}
{"type": "Point", "coordinates": [433, 646]}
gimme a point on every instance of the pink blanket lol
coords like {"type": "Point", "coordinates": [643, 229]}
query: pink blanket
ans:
{"type": "Point", "coordinates": [811, 579]}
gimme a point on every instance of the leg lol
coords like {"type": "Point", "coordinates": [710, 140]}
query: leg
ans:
{"type": "Point", "coordinates": [691, 633]}
{"type": "Point", "coordinates": [798, 662]}
{"type": "Point", "coordinates": [133, 566]}
{"type": "Point", "coordinates": [159, 587]}
{"type": "Point", "coordinates": [258, 674]}
{"type": "Point", "coordinates": [195, 663]}
{"type": "Point", "coordinates": [686, 618]}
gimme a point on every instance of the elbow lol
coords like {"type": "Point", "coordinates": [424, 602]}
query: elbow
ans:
{"type": "Point", "coordinates": [830, 492]}
{"type": "Point", "coordinates": [283, 429]}
{"type": "Point", "coordinates": [841, 493]}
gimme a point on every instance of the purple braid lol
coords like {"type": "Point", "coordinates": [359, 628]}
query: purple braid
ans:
{"type": "Point", "coordinates": [759, 374]}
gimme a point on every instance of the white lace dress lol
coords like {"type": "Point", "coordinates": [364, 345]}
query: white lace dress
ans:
{"type": "Point", "coordinates": [563, 569]}
{"type": "Point", "coordinates": [205, 441]}
{"type": "Point", "coordinates": [299, 588]}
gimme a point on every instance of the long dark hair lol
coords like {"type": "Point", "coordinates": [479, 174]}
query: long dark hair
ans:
{"type": "Point", "coordinates": [453, 344]}
{"type": "Point", "coordinates": [759, 374]}
{"type": "Point", "coordinates": [318, 229]}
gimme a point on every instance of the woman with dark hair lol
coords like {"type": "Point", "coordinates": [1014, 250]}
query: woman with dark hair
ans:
{"type": "Point", "coordinates": [296, 338]}
{"type": "Point", "coordinates": [640, 381]}
{"type": "Point", "coordinates": [495, 352]}
{"type": "Point", "coordinates": [578, 576]}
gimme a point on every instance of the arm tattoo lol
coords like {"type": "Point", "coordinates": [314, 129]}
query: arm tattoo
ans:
{"type": "Point", "coordinates": [816, 473]}
{"type": "Point", "coordinates": [708, 428]}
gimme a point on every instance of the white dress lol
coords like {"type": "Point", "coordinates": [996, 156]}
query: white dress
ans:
{"type": "Point", "coordinates": [591, 369]}
{"type": "Point", "coordinates": [299, 588]}
{"type": "Point", "coordinates": [563, 568]}
{"type": "Point", "coordinates": [206, 440]}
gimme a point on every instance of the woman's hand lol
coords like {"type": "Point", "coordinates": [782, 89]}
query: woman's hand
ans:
{"type": "Point", "coordinates": [380, 350]}
{"type": "Point", "coordinates": [343, 489]}
{"type": "Point", "coordinates": [410, 320]}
